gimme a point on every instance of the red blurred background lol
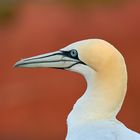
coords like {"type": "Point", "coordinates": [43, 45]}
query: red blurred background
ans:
{"type": "Point", "coordinates": [34, 103]}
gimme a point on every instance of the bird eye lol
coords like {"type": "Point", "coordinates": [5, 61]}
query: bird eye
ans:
{"type": "Point", "coordinates": [73, 53]}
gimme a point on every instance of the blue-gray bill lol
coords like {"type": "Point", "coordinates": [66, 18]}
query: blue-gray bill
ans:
{"type": "Point", "coordinates": [56, 59]}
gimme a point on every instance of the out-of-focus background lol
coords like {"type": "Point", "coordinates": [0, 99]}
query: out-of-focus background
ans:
{"type": "Point", "coordinates": [34, 103]}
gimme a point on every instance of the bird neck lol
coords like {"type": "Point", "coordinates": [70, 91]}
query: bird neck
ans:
{"type": "Point", "coordinates": [104, 95]}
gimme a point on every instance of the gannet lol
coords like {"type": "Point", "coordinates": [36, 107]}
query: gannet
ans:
{"type": "Point", "coordinates": [93, 116]}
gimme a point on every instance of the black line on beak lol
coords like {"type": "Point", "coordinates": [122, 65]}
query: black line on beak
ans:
{"type": "Point", "coordinates": [24, 63]}
{"type": "Point", "coordinates": [43, 56]}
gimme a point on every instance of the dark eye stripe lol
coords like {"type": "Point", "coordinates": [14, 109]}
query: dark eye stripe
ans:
{"type": "Point", "coordinates": [71, 54]}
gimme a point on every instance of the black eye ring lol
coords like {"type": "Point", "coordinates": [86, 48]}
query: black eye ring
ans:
{"type": "Point", "coordinates": [73, 53]}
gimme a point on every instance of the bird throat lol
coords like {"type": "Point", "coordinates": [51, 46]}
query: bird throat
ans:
{"type": "Point", "coordinates": [103, 97]}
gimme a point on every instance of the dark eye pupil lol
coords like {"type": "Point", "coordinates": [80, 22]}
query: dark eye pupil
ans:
{"type": "Point", "coordinates": [73, 53]}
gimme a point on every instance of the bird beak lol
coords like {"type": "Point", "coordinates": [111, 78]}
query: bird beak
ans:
{"type": "Point", "coordinates": [51, 60]}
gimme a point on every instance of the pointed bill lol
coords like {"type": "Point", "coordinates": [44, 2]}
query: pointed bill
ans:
{"type": "Point", "coordinates": [51, 60]}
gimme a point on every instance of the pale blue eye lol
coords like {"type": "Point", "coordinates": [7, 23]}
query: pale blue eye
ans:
{"type": "Point", "coordinates": [73, 53]}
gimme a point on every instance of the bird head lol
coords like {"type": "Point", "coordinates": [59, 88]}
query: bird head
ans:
{"type": "Point", "coordinates": [92, 54]}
